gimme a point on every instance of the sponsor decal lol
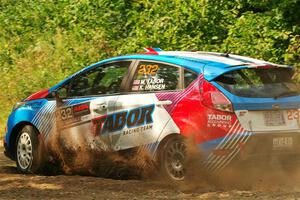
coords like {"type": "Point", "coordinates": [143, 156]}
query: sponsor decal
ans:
{"type": "Point", "coordinates": [138, 129]}
{"type": "Point", "coordinates": [32, 105]}
{"type": "Point", "coordinates": [137, 117]}
{"type": "Point", "coordinates": [221, 121]}
{"type": "Point", "coordinates": [81, 109]}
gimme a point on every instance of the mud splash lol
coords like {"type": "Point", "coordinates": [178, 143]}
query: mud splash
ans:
{"type": "Point", "coordinates": [276, 174]}
{"type": "Point", "coordinates": [77, 152]}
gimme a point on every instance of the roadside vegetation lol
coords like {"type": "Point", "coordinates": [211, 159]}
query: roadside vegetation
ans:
{"type": "Point", "coordinates": [42, 42]}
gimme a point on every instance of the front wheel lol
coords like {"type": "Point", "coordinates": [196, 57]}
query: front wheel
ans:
{"type": "Point", "coordinates": [172, 158]}
{"type": "Point", "coordinates": [28, 150]}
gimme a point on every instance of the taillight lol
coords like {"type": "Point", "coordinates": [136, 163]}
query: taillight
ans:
{"type": "Point", "coordinates": [215, 99]}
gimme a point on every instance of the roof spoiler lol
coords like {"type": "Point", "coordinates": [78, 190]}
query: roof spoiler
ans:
{"type": "Point", "coordinates": [212, 72]}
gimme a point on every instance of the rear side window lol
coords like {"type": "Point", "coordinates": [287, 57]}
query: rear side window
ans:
{"type": "Point", "coordinates": [151, 76]}
{"type": "Point", "coordinates": [260, 82]}
{"type": "Point", "coordinates": [189, 77]}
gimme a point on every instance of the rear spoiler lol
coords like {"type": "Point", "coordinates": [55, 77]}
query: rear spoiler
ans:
{"type": "Point", "coordinates": [212, 72]}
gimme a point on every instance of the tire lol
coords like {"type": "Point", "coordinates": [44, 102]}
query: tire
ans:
{"type": "Point", "coordinates": [28, 150]}
{"type": "Point", "coordinates": [172, 159]}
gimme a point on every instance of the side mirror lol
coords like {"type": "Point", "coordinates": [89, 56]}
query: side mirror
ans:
{"type": "Point", "coordinates": [58, 100]}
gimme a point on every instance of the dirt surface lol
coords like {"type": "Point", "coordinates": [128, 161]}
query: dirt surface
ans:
{"type": "Point", "coordinates": [18, 186]}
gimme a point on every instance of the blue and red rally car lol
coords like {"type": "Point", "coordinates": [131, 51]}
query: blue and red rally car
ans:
{"type": "Point", "coordinates": [234, 108]}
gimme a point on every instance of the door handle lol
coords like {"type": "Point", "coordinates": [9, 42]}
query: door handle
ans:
{"type": "Point", "coordinates": [100, 108]}
{"type": "Point", "coordinates": [162, 103]}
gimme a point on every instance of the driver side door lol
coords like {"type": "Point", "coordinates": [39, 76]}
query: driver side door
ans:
{"type": "Point", "coordinates": [90, 98]}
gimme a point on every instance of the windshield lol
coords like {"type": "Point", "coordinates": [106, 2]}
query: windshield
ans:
{"type": "Point", "coordinates": [273, 82]}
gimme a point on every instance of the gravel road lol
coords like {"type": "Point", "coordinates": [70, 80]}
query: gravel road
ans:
{"type": "Point", "coordinates": [18, 186]}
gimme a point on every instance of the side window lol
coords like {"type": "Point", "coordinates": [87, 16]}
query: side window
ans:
{"type": "Point", "coordinates": [189, 77]}
{"type": "Point", "coordinates": [151, 76]}
{"type": "Point", "coordinates": [105, 79]}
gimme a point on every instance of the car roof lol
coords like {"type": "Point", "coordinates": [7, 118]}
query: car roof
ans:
{"type": "Point", "coordinates": [211, 64]}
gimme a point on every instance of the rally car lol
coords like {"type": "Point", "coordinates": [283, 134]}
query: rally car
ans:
{"type": "Point", "coordinates": [233, 108]}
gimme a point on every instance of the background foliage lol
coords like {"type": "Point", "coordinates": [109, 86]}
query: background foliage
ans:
{"type": "Point", "coordinates": [42, 42]}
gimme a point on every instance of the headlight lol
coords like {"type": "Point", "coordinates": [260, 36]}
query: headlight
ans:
{"type": "Point", "coordinates": [18, 104]}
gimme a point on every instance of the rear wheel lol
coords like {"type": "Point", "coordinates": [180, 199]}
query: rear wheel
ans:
{"type": "Point", "coordinates": [172, 157]}
{"type": "Point", "coordinates": [28, 150]}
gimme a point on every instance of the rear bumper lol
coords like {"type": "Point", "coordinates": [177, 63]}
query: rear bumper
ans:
{"type": "Point", "coordinates": [264, 147]}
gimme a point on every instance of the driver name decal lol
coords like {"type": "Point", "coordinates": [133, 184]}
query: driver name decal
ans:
{"type": "Point", "coordinates": [149, 84]}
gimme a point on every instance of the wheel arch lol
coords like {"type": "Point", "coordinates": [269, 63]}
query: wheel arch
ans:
{"type": "Point", "coordinates": [14, 134]}
{"type": "Point", "coordinates": [165, 139]}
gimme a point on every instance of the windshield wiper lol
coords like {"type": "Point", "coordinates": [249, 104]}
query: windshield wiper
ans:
{"type": "Point", "coordinates": [287, 93]}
